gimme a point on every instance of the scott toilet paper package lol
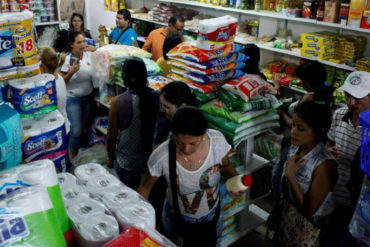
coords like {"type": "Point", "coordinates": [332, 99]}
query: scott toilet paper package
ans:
{"type": "Point", "coordinates": [18, 40]}
{"type": "Point", "coordinates": [27, 219]}
{"type": "Point", "coordinates": [38, 173]}
{"type": "Point", "coordinates": [10, 137]}
{"type": "Point", "coordinates": [216, 32]}
{"type": "Point", "coordinates": [45, 137]}
{"type": "Point", "coordinates": [34, 96]}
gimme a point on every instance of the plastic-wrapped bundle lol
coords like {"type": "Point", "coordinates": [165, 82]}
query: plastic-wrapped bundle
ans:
{"type": "Point", "coordinates": [139, 214]}
{"type": "Point", "coordinates": [86, 171]}
{"type": "Point", "coordinates": [119, 196]}
{"type": "Point", "coordinates": [99, 185]}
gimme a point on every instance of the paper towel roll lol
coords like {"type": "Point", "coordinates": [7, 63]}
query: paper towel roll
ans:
{"type": "Point", "coordinates": [66, 179]}
{"type": "Point", "coordinates": [97, 231]}
{"type": "Point", "coordinates": [32, 208]}
{"type": "Point", "coordinates": [140, 214]}
{"type": "Point", "coordinates": [9, 181]}
{"type": "Point", "coordinates": [119, 196]}
{"type": "Point", "coordinates": [86, 171]}
{"type": "Point", "coordinates": [83, 209]}
{"type": "Point", "coordinates": [41, 172]}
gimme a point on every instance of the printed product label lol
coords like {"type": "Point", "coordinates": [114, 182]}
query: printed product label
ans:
{"type": "Point", "coordinates": [12, 228]}
{"type": "Point", "coordinates": [35, 101]}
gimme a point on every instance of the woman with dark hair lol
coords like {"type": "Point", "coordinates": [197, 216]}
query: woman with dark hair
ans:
{"type": "Point", "coordinates": [310, 170]}
{"type": "Point", "coordinates": [253, 62]}
{"type": "Point", "coordinates": [198, 156]}
{"type": "Point", "coordinates": [76, 25]}
{"type": "Point", "coordinates": [132, 117]}
{"type": "Point", "coordinates": [171, 40]}
{"type": "Point", "coordinates": [77, 74]}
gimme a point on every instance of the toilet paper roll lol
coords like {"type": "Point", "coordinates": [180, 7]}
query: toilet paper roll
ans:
{"type": "Point", "coordinates": [30, 127]}
{"type": "Point", "coordinates": [51, 121]}
{"type": "Point", "coordinates": [32, 210]}
{"type": "Point", "coordinates": [85, 209]}
{"type": "Point", "coordinates": [72, 194]}
{"type": "Point", "coordinates": [22, 84]}
{"type": "Point", "coordinates": [86, 171]}
{"type": "Point", "coordinates": [119, 196]}
{"type": "Point", "coordinates": [97, 231]}
{"type": "Point", "coordinates": [140, 214]}
{"type": "Point", "coordinates": [44, 80]}
{"type": "Point", "coordinates": [99, 185]}
{"type": "Point", "coordinates": [66, 179]}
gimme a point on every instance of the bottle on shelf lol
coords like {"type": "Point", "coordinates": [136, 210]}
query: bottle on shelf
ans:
{"type": "Point", "coordinates": [257, 5]}
{"type": "Point", "coordinates": [320, 11]}
{"type": "Point", "coordinates": [238, 183]}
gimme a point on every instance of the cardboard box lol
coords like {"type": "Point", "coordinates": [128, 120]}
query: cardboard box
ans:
{"type": "Point", "coordinates": [317, 38]}
{"type": "Point", "coordinates": [318, 48]}
{"type": "Point", "coordinates": [355, 12]}
{"type": "Point", "coordinates": [317, 55]}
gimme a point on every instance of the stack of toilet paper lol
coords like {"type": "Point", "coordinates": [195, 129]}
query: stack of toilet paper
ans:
{"type": "Point", "coordinates": [44, 137]}
{"type": "Point", "coordinates": [38, 173]}
{"type": "Point", "coordinates": [18, 49]}
{"type": "Point", "coordinates": [34, 96]}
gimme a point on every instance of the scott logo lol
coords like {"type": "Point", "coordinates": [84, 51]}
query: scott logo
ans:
{"type": "Point", "coordinates": [223, 35]}
{"type": "Point", "coordinates": [29, 99]}
{"type": "Point", "coordinates": [32, 146]}
{"type": "Point", "coordinates": [12, 229]}
{"type": "Point", "coordinates": [6, 43]}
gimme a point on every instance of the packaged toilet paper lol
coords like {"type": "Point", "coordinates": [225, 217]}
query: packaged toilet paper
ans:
{"type": "Point", "coordinates": [38, 173]}
{"type": "Point", "coordinates": [18, 46]}
{"type": "Point", "coordinates": [216, 32]}
{"type": "Point", "coordinates": [85, 172]}
{"type": "Point", "coordinates": [66, 180]}
{"type": "Point", "coordinates": [72, 194]}
{"type": "Point", "coordinates": [34, 96]}
{"type": "Point", "coordinates": [10, 137]}
{"type": "Point", "coordinates": [27, 219]}
{"type": "Point", "coordinates": [45, 137]}
{"type": "Point", "coordinates": [85, 209]}
{"type": "Point", "coordinates": [99, 185]}
{"type": "Point", "coordinates": [119, 196]}
{"type": "Point", "coordinates": [97, 231]}
{"type": "Point", "coordinates": [140, 214]}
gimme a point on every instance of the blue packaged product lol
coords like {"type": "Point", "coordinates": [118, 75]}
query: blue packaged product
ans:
{"type": "Point", "coordinates": [34, 96]}
{"type": "Point", "coordinates": [10, 137]}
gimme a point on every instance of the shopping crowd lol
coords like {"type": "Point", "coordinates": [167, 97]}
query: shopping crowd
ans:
{"type": "Point", "coordinates": [160, 145]}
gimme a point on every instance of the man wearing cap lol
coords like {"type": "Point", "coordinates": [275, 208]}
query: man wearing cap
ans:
{"type": "Point", "coordinates": [122, 34]}
{"type": "Point", "coordinates": [154, 43]}
{"type": "Point", "coordinates": [344, 142]}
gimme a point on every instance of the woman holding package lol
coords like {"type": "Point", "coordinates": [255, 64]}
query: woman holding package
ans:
{"type": "Point", "coordinates": [192, 162]}
{"type": "Point", "coordinates": [77, 24]}
{"type": "Point", "coordinates": [132, 117]}
{"type": "Point", "coordinates": [77, 74]}
{"type": "Point", "coordinates": [308, 180]}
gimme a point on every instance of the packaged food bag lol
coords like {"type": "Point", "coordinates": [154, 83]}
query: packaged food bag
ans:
{"type": "Point", "coordinates": [19, 40]}
{"type": "Point", "coordinates": [203, 79]}
{"type": "Point", "coordinates": [38, 173]}
{"type": "Point", "coordinates": [158, 82]}
{"type": "Point", "coordinates": [215, 32]}
{"type": "Point", "coordinates": [134, 237]}
{"type": "Point", "coordinates": [28, 219]}
{"type": "Point", "coordinates": [247, 86]}
{"type": "Point", "coordinates": [34, 96]}
{"type": "Point", "coordinates": [231, 58]}
{"type": "Point", "coordinates": [189, 51]}
{"type": "Point", "coordinates": [360, 223]}
{"type": "Point", "coordinates": [201, 88]}
{"type": "Point", "coordinates": [212, 70]}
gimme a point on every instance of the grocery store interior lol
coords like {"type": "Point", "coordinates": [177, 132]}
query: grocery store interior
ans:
{"type": "Point", "coordinates": [253, 114]}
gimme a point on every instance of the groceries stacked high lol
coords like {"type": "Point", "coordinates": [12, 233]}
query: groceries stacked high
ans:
{"type": "Point", "coordinates": [234, 102]}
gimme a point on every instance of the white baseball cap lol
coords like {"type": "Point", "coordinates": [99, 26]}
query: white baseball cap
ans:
{"type": "Point", "coordinates": [357, 84]}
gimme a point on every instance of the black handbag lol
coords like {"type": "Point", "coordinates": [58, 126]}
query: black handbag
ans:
{"type": "Point", "coordinates": [200, 234]}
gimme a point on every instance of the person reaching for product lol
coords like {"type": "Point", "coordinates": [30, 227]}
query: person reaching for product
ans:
{"type": "Point", "coordinates": [171, 40]}
{"type": "Point", "coordinates": [155, 40]}
{"type": "Point", "coordinates": [192, 162]}
{"type": "Point", "coordinates": [122, 34]}
{"type": "Point", "coordinates": [77, 24]}
{"type": "Point", "coordinates": [132, 117]}
{"type": "Point", "coordinates": [308, 179]}
{"type": "Point", "coordinates": [50, 63]}
{"type": "Point", "coordinates": [76, 72]}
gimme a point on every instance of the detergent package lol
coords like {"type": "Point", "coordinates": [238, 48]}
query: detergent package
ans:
{"type": "Point", "coordinates": [18, 46]}
{"type": "Point", "coordinates": [45, 137]}
{"type": "Point", "coordinates": [34, 96]}
{"type": "Point", "coordinates": [10, 137]}
{"type": "Point", "coordinates": [203, 79]}
{"type": "Point", "coordinates": [216, 32]}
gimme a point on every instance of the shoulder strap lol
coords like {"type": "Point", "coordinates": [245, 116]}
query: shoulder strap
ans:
{"type": "Point", "coordinates": [172, 169]}
{"type": "Point", "coordinates": [120, 35]}
{"type": "Point", "coordinates": [125, 113]}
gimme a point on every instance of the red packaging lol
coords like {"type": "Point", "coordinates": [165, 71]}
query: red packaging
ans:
{"type": "Point", "coordinates": [290, 70]}
{"type": "Point", "coordinates": [365, 22]}
{"type": "Point", "coordinates": [286, 81]}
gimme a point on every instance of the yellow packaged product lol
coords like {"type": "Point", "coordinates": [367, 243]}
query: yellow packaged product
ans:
{"type": "Point", "coordinates": [320, 56]}
{"type": "Point", "coordinates": [18, 43]}
{"type": "Point", "coordinates": [355, 13]}
{"type": "Point", "coordinates": [315, 38]}
{"type": "Point", "coordinates": [107, 5]}
{"type": "Point", "coordinates": [318, 48]}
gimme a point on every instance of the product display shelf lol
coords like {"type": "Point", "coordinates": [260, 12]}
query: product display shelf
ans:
{"type": "Point", "coordinates": [262, 13]}
{"type": "Point", "coordinates": [38, 24]}
{"type": "Point", "coordinates": [157, 22]}
{"type": "Point", "coordinates": [102, 103]}
{"type": "Point", "coordinates": [102, 130]}
{"type": "Point", "coordinates": [300, 91]}
{"type": "Point", "coordinates": [248, 220]}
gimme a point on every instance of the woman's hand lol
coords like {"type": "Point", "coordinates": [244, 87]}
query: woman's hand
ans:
{"type": "Point", "coordinates": [335, 151]}
{"type": "Point", "coordinates": [90, 48]}
{"type": "Point", "coordinates": [74, 67]}
{"type": "Point", "coordinates": [292, 164]}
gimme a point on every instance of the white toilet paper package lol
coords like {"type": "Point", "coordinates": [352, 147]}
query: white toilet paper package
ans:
{"type": "Point", "coordinates": [27, 219]}
{"type": "Point", "coordinates": [45, 138]}
{"type": "Point", "coordinates": [139, 214]}
{"type": "Point", "coordinates": [119, 196]}
{"type": "Point", "coordinates": [38, 173]}
{"type": "Point", "coordinates": [18, 37]}
{"type": "Point", "coordinates": [34, 96]}
{"type": "Point", "coordinates": [86, 172]}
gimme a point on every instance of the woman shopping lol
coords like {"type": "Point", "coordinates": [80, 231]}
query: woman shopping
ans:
{"type": "Point", "coordinates": [308, 180]}
{"type": "Point", "coordinates": [192, 163]}
{"type": "Point", "coordinates": [132, 117]}
{"type": "Point", "coordinates": [78, 76]}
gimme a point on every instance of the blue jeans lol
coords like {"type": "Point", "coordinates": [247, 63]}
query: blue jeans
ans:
{"type": "Point", "coordinates": [129, 178]}
{"type": "Point", "coordinates": [78, 112]}
{"type": "Point", "coordinates": [168, 220]}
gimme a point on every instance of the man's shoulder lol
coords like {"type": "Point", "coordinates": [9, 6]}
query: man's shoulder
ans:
{"type": "Point", "coordinates": [340, 113]}
{"type": "Point", "coordinates": [158, 30]}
